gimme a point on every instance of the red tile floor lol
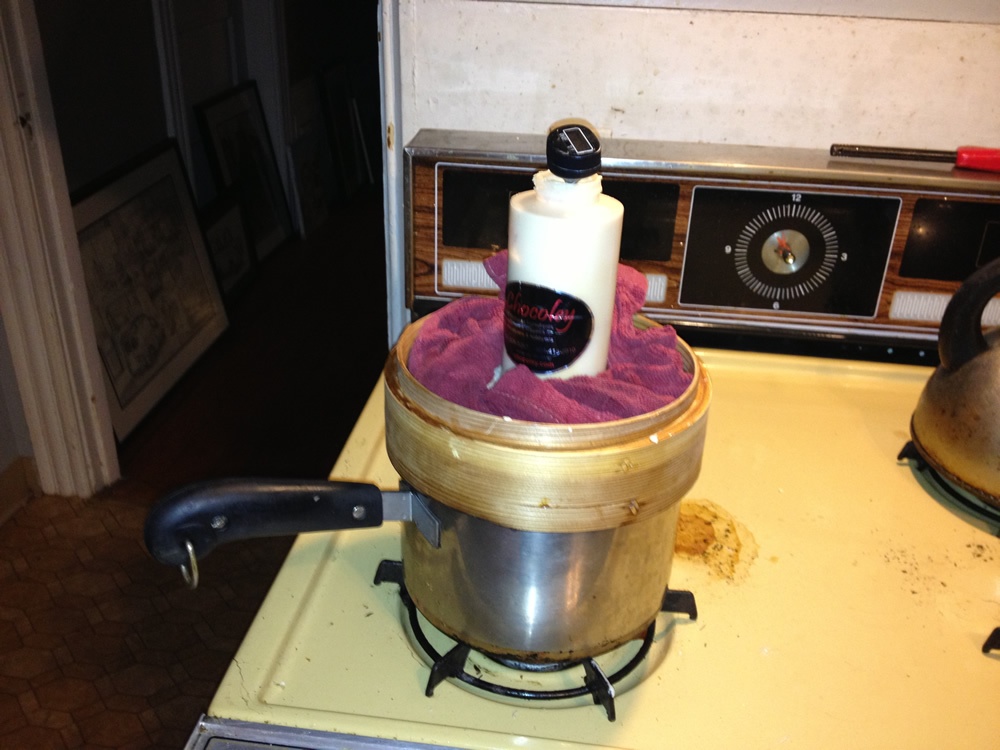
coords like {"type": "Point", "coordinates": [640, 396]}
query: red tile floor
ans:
{"type": "Point", "coordinates": [102, 647]}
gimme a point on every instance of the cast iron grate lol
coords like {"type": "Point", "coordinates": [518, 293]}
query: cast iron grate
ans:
{"type": "Point", "coordinates": [992, 642]}
{"type": "Point", "coordinates": [980, 510]}
{"type": "Point", "coordinates": [596, 684]}
{"type": "Point", "coordinates": [976, 508]}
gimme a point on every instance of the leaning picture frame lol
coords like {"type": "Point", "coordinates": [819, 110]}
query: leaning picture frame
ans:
{"type": "Point", "coordinates": [343, 126]}
{"type": "Point", "coordinates": [242, 159]}
{"type": "Point", "coordinates": [227, 245]}
{"type": "Point", "coordinates": [154, 301]}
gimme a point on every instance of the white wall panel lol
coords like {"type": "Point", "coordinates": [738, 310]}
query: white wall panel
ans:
{"type": "Point", "coordinates": [711, 76]}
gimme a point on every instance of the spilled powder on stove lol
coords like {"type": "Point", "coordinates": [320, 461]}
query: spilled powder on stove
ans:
{"type": "Point", "coordinates": [709, 534]}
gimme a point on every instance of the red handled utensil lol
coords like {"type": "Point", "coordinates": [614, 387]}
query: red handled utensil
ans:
{"type": "Point", "coordinates": [966, 157]}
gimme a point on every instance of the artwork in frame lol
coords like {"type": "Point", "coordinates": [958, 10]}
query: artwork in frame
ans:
{"type": "Point", "coordinates": [226, 241]}
{"type": "Point", "coordinates": [312, 192]}
{"type": "Point", "coordinates": [344, 126]}
{"type": "Point", "coordinates": [310, 161]}
{"type": "Point", "coordinates": [242, 159]}
{"type": "Point", "coordinates": [154, 301]}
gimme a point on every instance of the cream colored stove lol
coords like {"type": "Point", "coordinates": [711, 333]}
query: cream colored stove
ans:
{"type": "Point", "coordinates": [842, 600]}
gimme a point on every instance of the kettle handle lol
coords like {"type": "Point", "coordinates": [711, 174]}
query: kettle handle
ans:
{"type": "Point", "coordinates": [961, 334]}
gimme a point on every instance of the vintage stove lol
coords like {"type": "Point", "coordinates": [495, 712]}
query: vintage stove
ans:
{"type": "Point", "coordinates": [839, 597]}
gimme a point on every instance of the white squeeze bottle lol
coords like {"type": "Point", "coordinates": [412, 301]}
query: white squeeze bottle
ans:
{"type": "Point", "coordinates": [562, 267]}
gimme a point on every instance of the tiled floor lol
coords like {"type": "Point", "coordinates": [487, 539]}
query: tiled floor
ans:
{"type": "Point", "coordinates": [100, 646]}
{"type": "Point", "coordinates": [103, 647]}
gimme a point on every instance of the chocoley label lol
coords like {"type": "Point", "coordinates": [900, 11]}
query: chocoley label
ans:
{"type": "Point", "coordinates": [545, 329]}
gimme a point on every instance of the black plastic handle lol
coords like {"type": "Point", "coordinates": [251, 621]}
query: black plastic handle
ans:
{"type": "Point", "coordinates": [208, 514]}
{"type": "Point", "coordinates": [961, 335]}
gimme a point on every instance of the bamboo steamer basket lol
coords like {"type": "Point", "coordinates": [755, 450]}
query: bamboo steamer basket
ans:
{"type": "Point", "coordinates": [538, 476]}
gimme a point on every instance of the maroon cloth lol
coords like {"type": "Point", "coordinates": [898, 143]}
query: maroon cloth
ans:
{"type": "Point", "coordinates": [459, 349]}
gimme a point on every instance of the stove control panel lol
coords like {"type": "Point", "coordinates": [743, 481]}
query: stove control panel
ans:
{"type": "Point", "coordinates": [765, 242]}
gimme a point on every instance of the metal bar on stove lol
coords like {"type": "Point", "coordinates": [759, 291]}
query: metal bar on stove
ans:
{"type": "Point", "coordinates": [887, 152]}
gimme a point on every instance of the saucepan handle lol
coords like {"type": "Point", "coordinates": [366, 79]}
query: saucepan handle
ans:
{"type": "Point", "coordinates": [961, 334]}
{"type": "Point", "coordinates": [188, 523]}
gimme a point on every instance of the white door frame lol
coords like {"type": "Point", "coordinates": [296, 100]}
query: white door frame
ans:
{"type": "Point", "coordinates": [43, 297]}
{"type": "Point", "coordinates": [390, 80]}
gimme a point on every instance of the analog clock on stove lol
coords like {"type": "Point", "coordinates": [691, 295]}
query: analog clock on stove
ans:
{"type": "Point", "coordinates": [815, 252]}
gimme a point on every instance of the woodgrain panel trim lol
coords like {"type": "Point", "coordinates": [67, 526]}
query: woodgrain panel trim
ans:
{"type": "Point", "coordinates": [803, 172]}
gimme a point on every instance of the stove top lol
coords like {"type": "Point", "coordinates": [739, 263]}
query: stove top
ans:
{"type": "Point", "coordinates": [840, 602]}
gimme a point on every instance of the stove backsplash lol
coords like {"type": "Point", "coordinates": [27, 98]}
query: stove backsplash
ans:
{"type": "Point", "coordinates": [743, 247]}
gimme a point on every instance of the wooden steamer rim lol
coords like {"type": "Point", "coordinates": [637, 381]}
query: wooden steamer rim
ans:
{"type": "Point", "coordinates": [535, 476]}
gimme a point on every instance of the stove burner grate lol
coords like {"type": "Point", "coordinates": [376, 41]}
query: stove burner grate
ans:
{"type": "Point", "coordinates": [992, 642]}
{"type": "Point", "coordinates": [973, 506]}
{"type": "Point", "coordinates": [596, 684]}
{"type": "Point", "coordinates": [970, 504]}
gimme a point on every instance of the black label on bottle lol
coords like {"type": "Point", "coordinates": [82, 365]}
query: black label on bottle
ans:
{"type": "Point", "coordinates": [545, 329]}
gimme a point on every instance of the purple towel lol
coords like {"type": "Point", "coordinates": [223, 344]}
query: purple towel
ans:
{"type": "Point", "coordinates": [459, 349]}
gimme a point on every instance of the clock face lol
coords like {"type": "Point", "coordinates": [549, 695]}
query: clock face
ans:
{"type": "Point", "coordinates": [816, 252]}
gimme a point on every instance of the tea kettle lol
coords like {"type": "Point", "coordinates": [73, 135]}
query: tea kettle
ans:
{"type": "Point", "coordinates": [956, 423]}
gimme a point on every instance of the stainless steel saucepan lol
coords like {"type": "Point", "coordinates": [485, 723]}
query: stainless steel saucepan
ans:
{"type": "Point", "coordinates": [534, 596]}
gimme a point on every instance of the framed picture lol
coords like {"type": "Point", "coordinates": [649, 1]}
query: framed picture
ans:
{"type": "Point", "coordinates": [226, 241]}
{"type": "Point", "coordinates": [344, 128]}
{"type": "Point", "coordinates": [310, 161]}
{"type": "Point", "coordinates": [153, 297]}
{"type": "Point", "coordinates": [309, 179]}
{"type": "Point", "coordinates": [242, 158]}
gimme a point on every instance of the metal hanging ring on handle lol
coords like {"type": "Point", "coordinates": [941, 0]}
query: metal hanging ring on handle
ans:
{"type": "Point", "coordinates": [190, 571]}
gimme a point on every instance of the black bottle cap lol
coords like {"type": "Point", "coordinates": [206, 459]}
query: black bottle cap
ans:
{"type": "Point", "coordinates": [573, 151]}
